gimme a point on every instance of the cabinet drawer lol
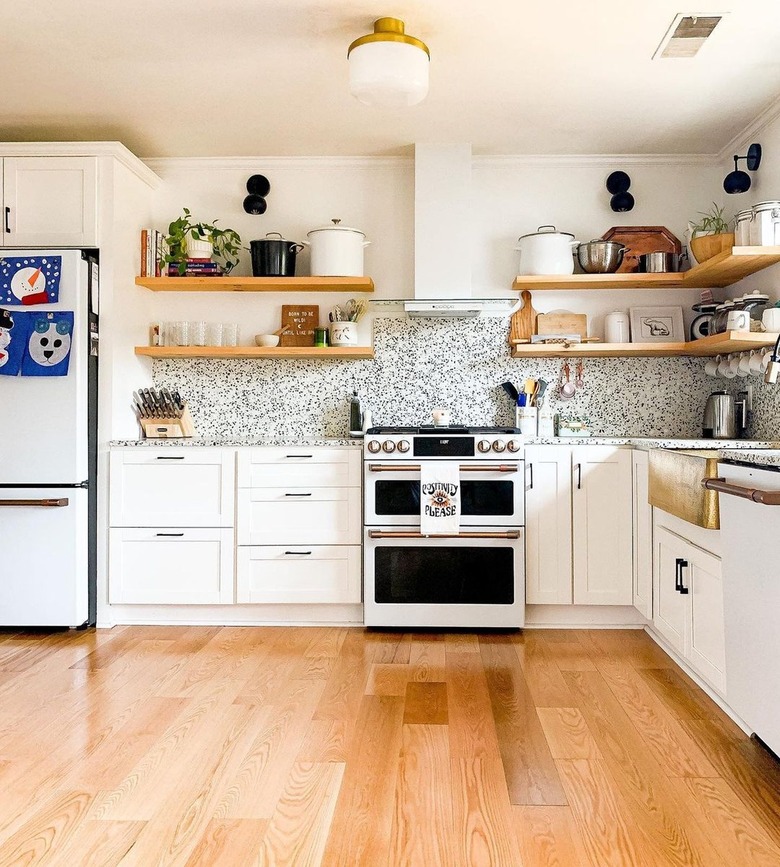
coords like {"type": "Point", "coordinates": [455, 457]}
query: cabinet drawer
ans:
{"type": "Point", "coordinates": [315, 467]}
{"type": "Point", "coordinates": [172, 487]}
{"type": "Point", "coordinates": [299, 574]}
{"type": "Point", "coordinates": [170, 566]}
{"type": "Point", "coordinates": [315, 516]}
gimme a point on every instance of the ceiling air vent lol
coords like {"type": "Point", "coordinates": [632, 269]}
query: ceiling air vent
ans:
{"type": "Point", "coordinates": [686, 35]}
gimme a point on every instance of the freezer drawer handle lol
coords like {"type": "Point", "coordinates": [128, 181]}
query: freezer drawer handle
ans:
{"type": "Point", "coordinates": [52, 503]}
{"type": "Point", "coordinates": [765, 498]}
{"type": "Point", "coordinates": [169, 458]}
{"type": "Point", "coordinates": [298, 495]}
{"type": "Point", "coordinates": [403, 534]}
{"type": "Point", "coordinates": [464, 468]}
{"type": "Point", "coordinates": [177, 535]}
{"type": "Point", "coordinates": [299, 456]}
{"type": "Point", "coordinates": [301, 553]}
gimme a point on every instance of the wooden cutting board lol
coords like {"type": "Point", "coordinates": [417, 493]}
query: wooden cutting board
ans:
{"type": "Point", "coordinates": [562, 323]}
{"type": "Point", "coordinates": [523, 323]}
{"type": "Point", "coordinates": [642, 239]}
{"type": "Point", "coordinates": [302, 319]}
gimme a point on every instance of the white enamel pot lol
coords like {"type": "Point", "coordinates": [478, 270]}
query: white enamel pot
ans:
{"type": "Point", "coordinates": [336, 251]}
{"type": "Point", "coordinates": [546, 251]}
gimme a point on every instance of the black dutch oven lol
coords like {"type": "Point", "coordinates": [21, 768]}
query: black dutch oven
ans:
{"type": "Point", "coordinates": [272, 256]}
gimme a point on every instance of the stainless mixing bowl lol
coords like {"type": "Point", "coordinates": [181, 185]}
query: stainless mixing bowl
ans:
{"type": "Point", "coordinates": [600, 257]}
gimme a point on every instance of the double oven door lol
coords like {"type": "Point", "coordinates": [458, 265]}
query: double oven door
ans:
{"type": "Point", "coordinates": [472, 579]}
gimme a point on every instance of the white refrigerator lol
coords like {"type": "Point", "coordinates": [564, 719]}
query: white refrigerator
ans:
{"type": "Point", "coordinates": [48, 458]}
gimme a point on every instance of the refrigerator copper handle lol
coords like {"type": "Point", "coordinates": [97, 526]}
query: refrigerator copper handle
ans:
{"type": "Point", "coordinates": [405, 534]}
{"type": "Point", "coordinates": [765, 498]}
{"type": "Point", "coordinates": [45, 503]}
{"type": "Point", "coordinates": [464, 468]}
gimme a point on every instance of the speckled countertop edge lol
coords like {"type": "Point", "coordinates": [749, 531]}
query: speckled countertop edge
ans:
{"type": "Point", "coordinates": [228, 443]}
{"type": "Point", "coordinates": [767, 458]}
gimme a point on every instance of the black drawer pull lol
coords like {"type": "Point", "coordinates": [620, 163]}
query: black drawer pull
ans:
{"type": "Point", "coordinates": [170, 534]}
{"type": "Point", "coordinates": [301, 553]}
{"type": "Point", "coordinates": [170, 457]}
{"type": "Point", "coordinates": [299, 456]}
{"type": "Point", "coordinates": [297, 495]}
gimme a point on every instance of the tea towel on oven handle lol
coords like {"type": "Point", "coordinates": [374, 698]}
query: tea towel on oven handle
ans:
{"type": "Point", "coordinates": [439, 498]}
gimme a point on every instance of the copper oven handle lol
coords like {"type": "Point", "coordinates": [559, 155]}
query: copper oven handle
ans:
{"type": "Point", "coordinates": [766, 498]}
{"type": "Point", "coordinates": [464, 468]}
{"type": "Point", "coordinates": [62, 501]}
{"type": "Point", "coordinates": [405, 534]}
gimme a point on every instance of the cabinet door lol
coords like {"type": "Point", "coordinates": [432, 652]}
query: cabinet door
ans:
{"type": "Point", "coordinates": [707, 636]}
{"type": "Point", "coordinates": [168, 566]}
{"type": "Point", "coordinates": [643, 536]}
{"type": "Point", "coordinates": [548, 559]}
{"type": "Point", "coordinates": [50, 201]}
{"type": "Point", "coordinates": [670, 606]}
{"type": "Point", "coordinates": [172, 487]}
{"type": "Point", "coordinates": [299, 574]}
{"type": "Point", "coordinates": [602, 511]}
{"type": "Point", "coordinates": [313, 516]}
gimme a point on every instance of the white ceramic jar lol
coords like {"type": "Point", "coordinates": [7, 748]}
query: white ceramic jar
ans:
{"type": "Point", "coordinates": [765, 227]}
{"type": "Point", "coordinates": [336, 251]}
{"type": "Point", "coordinates": [743, 221]}
{"type": "Point", "coordinates": [546, 251]}
{"type": "Point", "coordinates": [616, 328]}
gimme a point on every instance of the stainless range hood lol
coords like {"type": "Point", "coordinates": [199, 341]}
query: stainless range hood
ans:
{"type": "Point", "coordinates": [444, 237]}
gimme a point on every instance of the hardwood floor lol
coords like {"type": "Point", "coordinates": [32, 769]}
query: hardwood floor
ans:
{"type": "Point", "coordinates": [325, 746]}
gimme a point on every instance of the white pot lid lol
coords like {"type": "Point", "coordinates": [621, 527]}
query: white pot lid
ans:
{"type": "Point", "coordinates": [547, 231]}
{"type": "Point", "coordinates": [335, 226]}
{"type": "Point", "coordinates": [766, 206]}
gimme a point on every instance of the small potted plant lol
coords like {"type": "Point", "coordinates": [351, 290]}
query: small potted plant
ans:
{"type": "Point", "coordinates": [710, 235]}
{"type": "Point", "coordinates": [189, 240]}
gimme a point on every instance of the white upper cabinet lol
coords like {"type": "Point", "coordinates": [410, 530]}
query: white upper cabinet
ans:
{"type": "Point", "coordinates": [602, 510]}
{"type": "Point", "coordinates": [49, 202]}
{"type": "Point", "coordinates": [548, 525]}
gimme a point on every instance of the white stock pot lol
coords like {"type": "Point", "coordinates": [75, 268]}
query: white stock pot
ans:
{"type": "Point", "coordinates": [336, 251]}
{"type": "Point", "coordinates": [546, 251]}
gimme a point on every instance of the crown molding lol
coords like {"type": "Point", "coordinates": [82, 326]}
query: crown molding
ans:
{"type": "Point", "coordinates": [600, 160]}
{"type": "Point", "coordinates": [113, 149]}
{"type": "Point", "coordinates": [768, 116]}
{"type": "Point", "coordinates": [253, 165]}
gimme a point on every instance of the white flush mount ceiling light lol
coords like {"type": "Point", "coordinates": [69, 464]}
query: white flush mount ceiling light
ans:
{"type": "Point", "coordinates": [388, 68]}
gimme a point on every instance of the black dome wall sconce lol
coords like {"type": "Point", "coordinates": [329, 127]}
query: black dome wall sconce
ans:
{"type": "Point", "coordinates": [258, 187]}
{"type": "Point", "coordinates": [739, 181]}
{"type": "Point", "coordinates": [618, 184]}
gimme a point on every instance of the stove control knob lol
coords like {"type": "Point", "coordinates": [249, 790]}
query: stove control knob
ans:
{"type": "Point", "coordinates": [514, 445]}
{"type": "Point", "coordinates": [483, 446]}
{"type": "Point", "coordinates": [403, 446]}
{"type": "Point", "coordinates": [499, 446]}
{"type": "Point", "coordinates": [388, 446]}
{"type": "Point", "coordinates": [373, 446]}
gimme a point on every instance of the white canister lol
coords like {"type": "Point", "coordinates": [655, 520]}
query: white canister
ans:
{"type": "Point", "coordinates": [616, 328]}
{"type": "Point", "coordinates": [546, 421]}
{"type": "Point", "coordinates": [742, 223]}
{"type": "Point", "coordinates": [343, 334]}
{"type": "Point", "coordinates": [546, 251]}
{"type": "Point", "coordinates": [336, 251]}
{"type": "Point", "coordinates": [765, 228]}
{"type": "Point", "coordinates": [526, 418]}
{"type": "Point", "coordinates": [441, 416]}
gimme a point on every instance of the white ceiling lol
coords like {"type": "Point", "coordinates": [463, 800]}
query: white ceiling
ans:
{"type": "Point", "coordinates": [257, 77]}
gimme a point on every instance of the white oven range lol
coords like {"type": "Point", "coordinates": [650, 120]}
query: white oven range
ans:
{"type": "Point", "coordinates": [473, 579]}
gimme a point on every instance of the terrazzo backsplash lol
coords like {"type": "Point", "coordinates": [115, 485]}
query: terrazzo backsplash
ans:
{"type": "Point", "coordinates": [420, 364]}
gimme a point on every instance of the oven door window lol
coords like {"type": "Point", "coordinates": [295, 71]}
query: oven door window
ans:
{"type": "Point", "coordinates": [441, 575]}
{"type": "Point", "coordinates": [477, 497]}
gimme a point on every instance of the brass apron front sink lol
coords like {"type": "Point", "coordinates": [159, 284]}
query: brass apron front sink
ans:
{"type": "Point", "coordinates": [674, 485]}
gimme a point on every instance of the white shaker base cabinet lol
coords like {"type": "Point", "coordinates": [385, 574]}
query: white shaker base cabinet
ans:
{"type": "Point", "coordinates": [171, 566]}
{"type": "Point", "coordinates": [50, 201]}
{"type": "Point", "coordinates": [548, 529]}
{"type": "Point", "coordinates": [299, 574]}
{"type": "Point", "coordinates": [602, 525]}
{"type": "Point", "coordinates": [688, 605]}
{"type": "Point", "coordinates": [643, 535]}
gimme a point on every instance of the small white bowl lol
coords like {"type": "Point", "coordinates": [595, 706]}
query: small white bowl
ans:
{"type": "Point", "coordinates": [267, 339]}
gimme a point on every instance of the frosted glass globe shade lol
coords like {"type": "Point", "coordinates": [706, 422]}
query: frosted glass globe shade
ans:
{"type": "Point", "coordinates": [388, 74]}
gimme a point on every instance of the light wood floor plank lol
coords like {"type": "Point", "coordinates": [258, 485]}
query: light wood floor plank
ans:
{"type": "Point", "coordinates": [98, 843]}
{"type": "Point", "coordinates": [544, 678]}
{"type": "Point", "coordinates": [229, 843]}
{"type": "Point", "coordinates": [567, 733]}
{"type": "Point", "coordinates": [549, 837]}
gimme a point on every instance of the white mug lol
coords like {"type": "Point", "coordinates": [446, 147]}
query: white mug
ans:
{"type": "Point", "coordinates": [743, 366]}
{"type": "Point", "coordinates": [711, 367]}
{"type": "Point", "coordinates": [771, 319]}
{"type": "Point", "coordinates": [441, 416]}
{"type": "Point", "coordinates": [725, 370]}
{"type": "Point", "coordinates": [756, 361]}
{"type": "Point", "coordinates": [738, 320]}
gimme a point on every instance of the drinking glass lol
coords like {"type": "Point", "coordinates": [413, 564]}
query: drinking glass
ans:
{"type": "Point", "coordinates": [181, 333]}
{"type": "Point", "coordinates": [230, 334]}
{"type": "Point", "coordinates": [214, 334]}
{"type": "Point", "coordinates": [197, 333]}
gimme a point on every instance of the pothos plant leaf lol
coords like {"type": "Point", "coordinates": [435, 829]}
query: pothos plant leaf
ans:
{"type": "Point", "coordinates": [226, 242]}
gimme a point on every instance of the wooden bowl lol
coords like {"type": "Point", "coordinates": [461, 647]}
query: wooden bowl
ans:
{"type": "Point", "coordinates": [705, 247]}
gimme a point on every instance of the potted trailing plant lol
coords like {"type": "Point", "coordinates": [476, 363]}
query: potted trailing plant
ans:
{"type": "Point", "coordinates": [710, 235]}
{"type": "Point", "coordinates": [190, 240]}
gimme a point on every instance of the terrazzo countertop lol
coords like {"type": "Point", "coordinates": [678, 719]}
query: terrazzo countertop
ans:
{"type": "Point", "coordinates": [227, 443]}
{"type": "Point", "coordinates": [769, 457]}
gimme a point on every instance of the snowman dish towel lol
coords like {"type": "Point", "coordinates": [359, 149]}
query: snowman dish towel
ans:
{"type": "Point", "coordinates": [439, 498]}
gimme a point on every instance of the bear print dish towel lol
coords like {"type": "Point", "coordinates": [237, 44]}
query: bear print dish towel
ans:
{"type": "Point", "coordinates": [439, 498]}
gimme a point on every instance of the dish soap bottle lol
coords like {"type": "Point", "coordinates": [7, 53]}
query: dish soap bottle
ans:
{"type": "Point", "coordinates": [355, 416]}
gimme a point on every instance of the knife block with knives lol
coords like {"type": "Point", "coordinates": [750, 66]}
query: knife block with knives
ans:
{"type": "Point", "coordinates": [163, 414]}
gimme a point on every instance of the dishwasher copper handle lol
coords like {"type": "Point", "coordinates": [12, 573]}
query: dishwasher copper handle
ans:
{"type": "Point", "coordinates": [48, 503]}
{"type": "Point", "coordinates": [405, 534]}
{"type": "Point", "coordinates": [765, 498]}
{"type": "Point", "coordinates": [464, 468]}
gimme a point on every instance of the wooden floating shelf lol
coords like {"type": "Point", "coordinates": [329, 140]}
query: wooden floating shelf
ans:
{"type": "Point", "coordinates": [256, 284]}
{"type": "Point", "coordinates": [328, 352]}
{"type": "Point", "coordinates": [719, 271]}
{"type": "Point", "coordinates": [707, 347]}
